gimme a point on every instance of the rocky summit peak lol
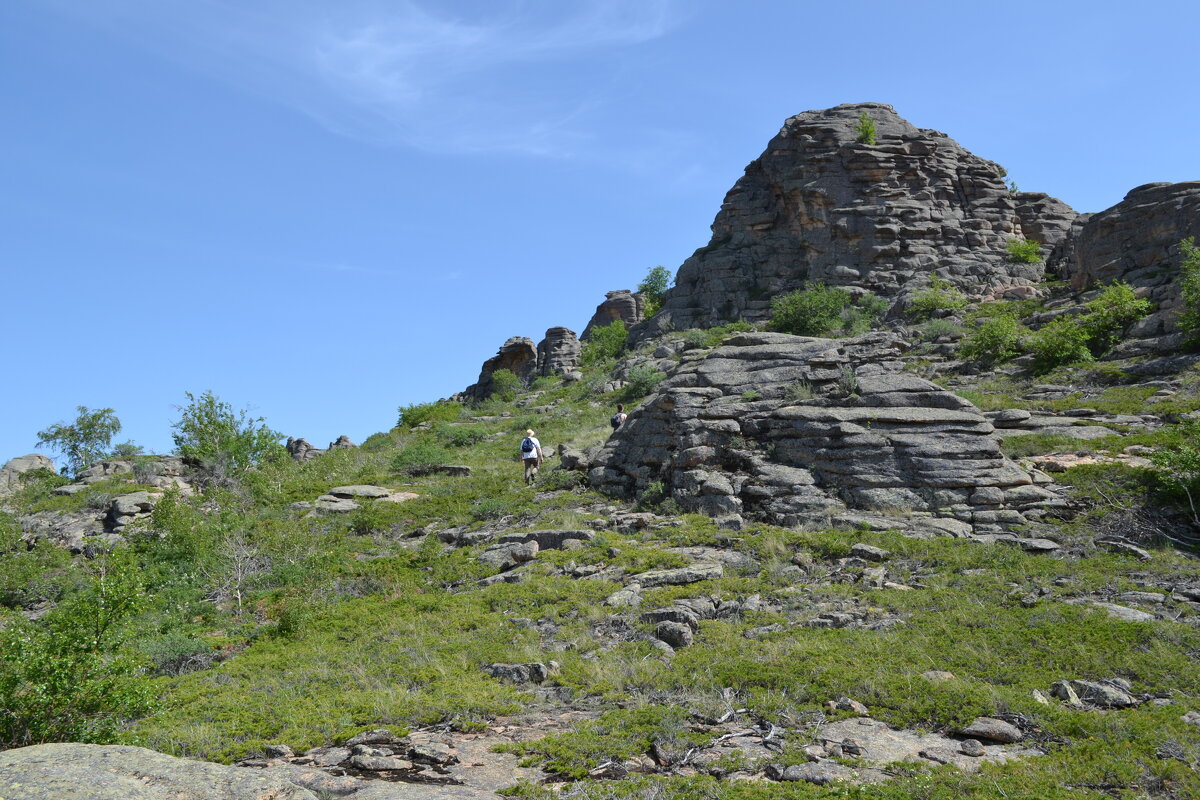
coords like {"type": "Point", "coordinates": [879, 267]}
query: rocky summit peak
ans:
{"type": "Point", "coordinates": [825, 203]}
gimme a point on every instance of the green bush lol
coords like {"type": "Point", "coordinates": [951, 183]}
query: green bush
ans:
{"type": "Point", "coordinates": [654, 289]}
{"type": "Point", "coordinates": [940, 296]}
{"type": "Point", "coordinates": [820, 310]}
{"type": "Point", "coordinates": [865, 128]}
{"type": "Point", "coordinates": [641, 380]}
{"type": "Point", "coordinates": [420, 454]}
{"type": "Point", "coordinates": [1189, 287]}
{"type": "Point", "coordinates": [1177, 468]}
{"type": "Point", "coordinates": [220, 443]}
{"type": "Point", "coordinates": [1064, 340]}
{"type": "Point", "coordinates": [1024, 251]}
{"type": "Point", "coordinates": [937, 328]}
{"type": "Point", "coordinates": [506, 385]}
{"type": "Point", "coordinates": [604, 344]}
{"type": "Point", "coordinates": [460, 435]}
{"type": "Point", "coordinates": [1110, 314]}
{"type": "Point", "coordinates": [442, 411]}
{"type": "Point", "coordinates": [67, 677]}
{"type": "Point", "coordinates": [86, 440]}
{"type": "Point", "coordinates": [997, 339]}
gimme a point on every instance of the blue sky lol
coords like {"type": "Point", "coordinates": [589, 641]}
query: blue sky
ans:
{"type": "Point", "coordinates": [323, 210]}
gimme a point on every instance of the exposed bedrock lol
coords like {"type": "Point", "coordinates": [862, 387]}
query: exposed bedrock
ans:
{"type": "Point", "coordinates": [1136, 241]}
{"type": "Point", "coordinates": [518, 355]}
{"type": "Point", "coordinates": [622, 304]}
{"type": "Point", "coordinates": [820, 206]}
{"type": "Point", "coordinates": [792, 430]}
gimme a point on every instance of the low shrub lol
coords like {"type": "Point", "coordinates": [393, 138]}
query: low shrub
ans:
{"type": "Point", "coordinates": [641, 380]}
{"type": "Point", "coordinates": [997, 339]}
{"type": "Point", "coordinates": [866, 128]}
{"type": "Point", "coordinates": [1024, 251]}
{"type": "Point", "coordinates": [418, 454]}
{"type": "Point", "coordinates": [506, 385]}
{"type": "Point", "coordinates": [937, 328]}
{"type": "Point", "coordinates": [940, 296]}
{"type": "Point", "coordinates": [442, 411]}
{"type": "Point", "coordinates": [1189, 287]}
{"type": "Point", "coordinates": [1062, 341]}
{"type": "Point", "coordinates": [1115, 309]}
{"type": "Point", "coordinates": [604, 344]}
{"type": "Point", "coordinates": [820, 310]}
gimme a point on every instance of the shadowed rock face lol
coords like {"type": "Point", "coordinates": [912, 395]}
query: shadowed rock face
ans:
{"type": "Point", "coordinates": [792, 429]}
{"type": "Point", "coordinates": [1136, 241]}
{"type": "Point", "coordinates": [818, 206]}
{"type": "Point", "coordinates": [518, 354]}
{"type": "Point", "coordinates": [622, 304]}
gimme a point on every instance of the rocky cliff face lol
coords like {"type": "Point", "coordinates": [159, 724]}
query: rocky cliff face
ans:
{"type": "Point", "coordinates": [820, 206]}
{"type": "Point", "coordinates": [1136, 241]}
{"type": "Point", "coordinates": [796, 430]}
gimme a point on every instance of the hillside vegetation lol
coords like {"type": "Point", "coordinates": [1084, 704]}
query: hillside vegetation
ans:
{"type": "Point", "coordinates": [235, 618]}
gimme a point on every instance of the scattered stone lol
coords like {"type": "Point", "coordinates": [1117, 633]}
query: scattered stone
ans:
{"type": "Point", "coordinates": [973, 748]}
{"type": "Point", "coordinates": [994, 730]}
{"type": "Point", "coordinates": [937, 675]}
{"type": "Point", "coordinates": [363, 491]}
{"type": "Point", "coordinates": [379, 763]}
{"type": "Point", "coordinates": [821, 773]}
{"type": "Point", "coordinates": [940, 755]}
{"type": "Point", "coordinates": [676, 634]}
{"type": "Point", "coordinates": [847, 704]}
{"type": "Point", "coordinates": [518, 673]}
{"type": "Point", "coordinates": [1124, 613]}
{"type": "Point", "coordinates": [1096, 694]}
{"type": "Point", "coordinates": [1119, 546]}
{"type": "Point", "coordinates": [869, 552]}
{"type": "Point", "coordinates": [680, 576]}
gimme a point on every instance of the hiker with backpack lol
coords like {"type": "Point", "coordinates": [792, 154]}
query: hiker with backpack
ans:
{"type": "Point", "coordinates": [618, 419]}
{"type": "Point", "coordinates": [531, 456]}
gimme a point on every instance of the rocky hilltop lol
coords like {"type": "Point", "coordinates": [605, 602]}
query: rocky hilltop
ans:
{"type": "Point", "coordinates": [821, 206]}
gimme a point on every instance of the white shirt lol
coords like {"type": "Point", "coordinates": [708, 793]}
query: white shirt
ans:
{"type": "Point", "coordinates": [537, 448]}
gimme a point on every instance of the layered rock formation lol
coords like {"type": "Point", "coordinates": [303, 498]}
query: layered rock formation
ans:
{"type": "Point", "coordinates": [1136, 241]}
{"type": "Point", "coordinates": [301, 450]}
{"type": "Point", "coordinates": [792, 430]}
{"type": "Point", "coordinates": [558, 352]}
{"type": "Point", "coordinates": [518, 355]}
{"type": "Point", "coordinates": [820, 206]}
{"type": "Point", "coordinates": [13, 469]}
{"type": "Point", "coordinates": [622, 304]}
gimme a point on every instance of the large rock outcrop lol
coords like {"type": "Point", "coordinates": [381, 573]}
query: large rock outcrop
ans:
{"type": "Point", "coordinates": [820, 206]}
{"type": "Point", "coordinates": [302, 450]}
{"type": "Point", "coordinates": [13, 469]}
{"type": "Point", "coordinates": [558, 353]}
{"type": "Point", "coordinates": [1136, 241]}
{"type": "Point", "coordinates": [793, 430]}
{"type": "Point", "coordinates": [622, 304]}
{"type": "Point", "coordinates": [519, 355]}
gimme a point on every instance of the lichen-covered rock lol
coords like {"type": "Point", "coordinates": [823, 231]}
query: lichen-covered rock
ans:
{"type": "Point", "coordinates": [518, 354]}
{"type": "Point", "coordinates": [1136, 241]}
{"type": "Point", "coordinates": [728, 433]}
{"type": "Point", "coordinates": [622, 304]}
{"type": "Point", "coordinates": [558, 352]}
{"type": "Point", "coordinates": [820, 206]}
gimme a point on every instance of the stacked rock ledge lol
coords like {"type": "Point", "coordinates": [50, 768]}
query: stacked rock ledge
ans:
{"type": "Point", "coordinates": [871, 439]}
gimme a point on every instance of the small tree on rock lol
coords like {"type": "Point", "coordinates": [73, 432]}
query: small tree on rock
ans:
{"type": "Point", "coordinates": [654, 288]}
{"type": "Point", "coordinates": [219, 442]}
{"type": "Point", "coordinates": [86, 440]}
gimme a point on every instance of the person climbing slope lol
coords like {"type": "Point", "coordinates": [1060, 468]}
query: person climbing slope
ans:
{"type": "Point", "coordinates": [531, 456]}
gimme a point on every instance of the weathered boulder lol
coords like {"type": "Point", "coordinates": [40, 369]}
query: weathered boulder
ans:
{"type": "Point", "coordinates": [67, 529]}
{"type": "Point", "coordinates": [558, 352]}
{"type": "Point", "coordinates": [622, 304]}
{"type": "Point", "coordinates": [518, 354]}
{"type": "Point", "coordinates": [723, 436]}
{"type": "Point", "coordinates": [1136, 241]}
{"type": "Point", "coordinates": [13, 469]}
{"type": "Point", "coordinates": [820, 206]}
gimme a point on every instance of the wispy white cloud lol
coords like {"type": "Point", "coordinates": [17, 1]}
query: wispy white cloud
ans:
{"type": "Point", "coordinates": [517, 76]}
